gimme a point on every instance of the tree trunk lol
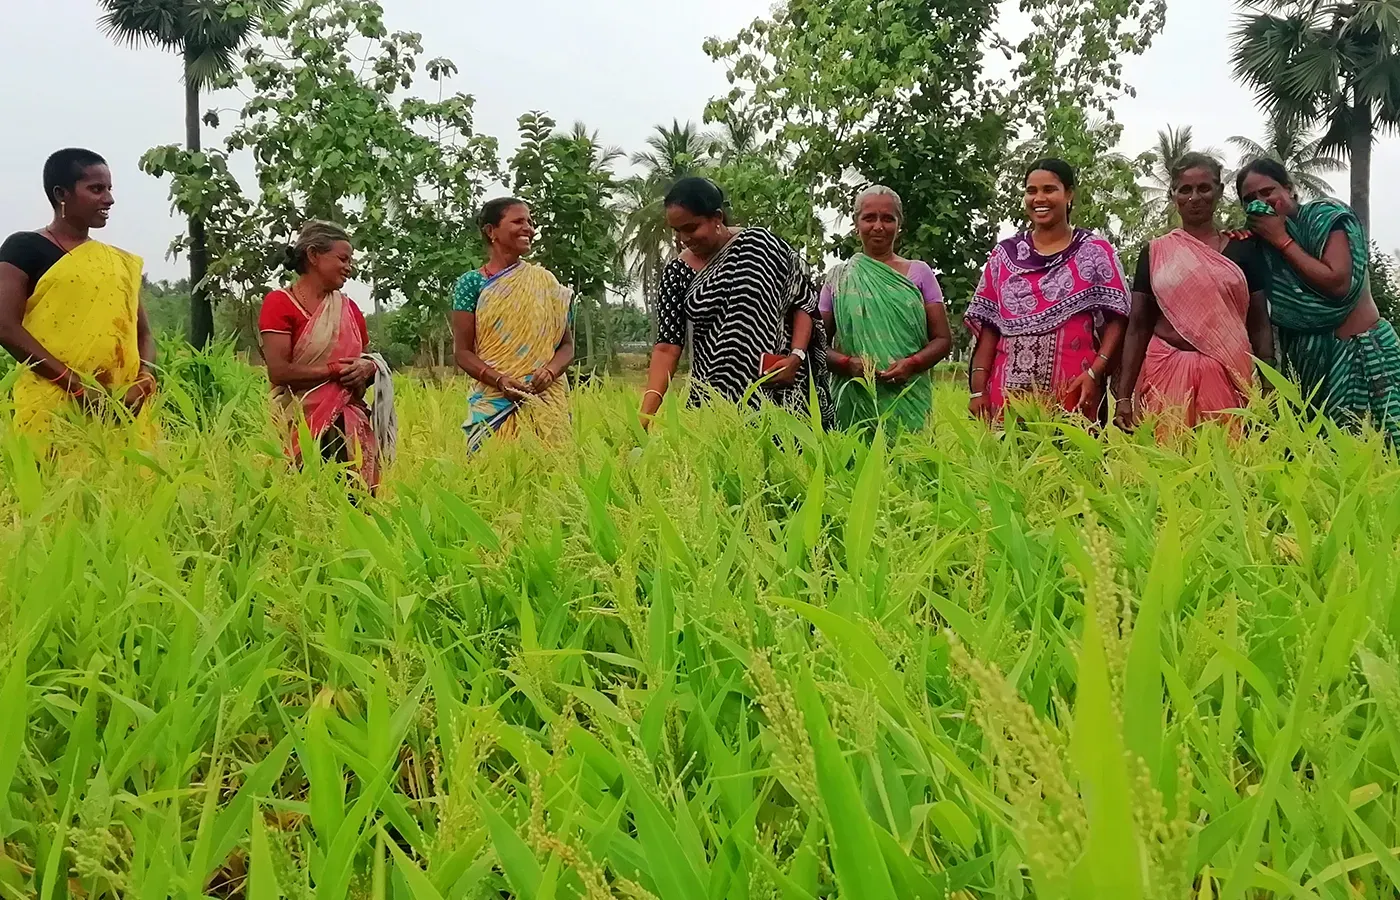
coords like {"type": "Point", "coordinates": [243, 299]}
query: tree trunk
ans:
{"type": "Point", "coordinates": [1359, 144]}
{"type": "Point", "coordinates": [201, 310]}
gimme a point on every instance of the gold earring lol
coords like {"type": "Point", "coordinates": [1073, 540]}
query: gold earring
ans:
{"type": "Point", "coordinates": [63, 209]}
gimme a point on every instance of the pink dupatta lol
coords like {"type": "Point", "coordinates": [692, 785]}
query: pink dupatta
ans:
{"type": "Point", "coordinates": [331, 334]}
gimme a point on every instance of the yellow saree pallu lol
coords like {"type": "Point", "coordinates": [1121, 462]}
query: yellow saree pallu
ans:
{"type": "Point", "coordinates": [521, 319]}
{"type": "Point", "coordinates": [83, 310]}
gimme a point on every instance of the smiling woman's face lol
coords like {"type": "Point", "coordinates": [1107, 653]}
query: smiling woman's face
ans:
{"type": "Point", "coordinates": [1047, 200]}
{"type": "Point", "coordinates": [1196, 194]}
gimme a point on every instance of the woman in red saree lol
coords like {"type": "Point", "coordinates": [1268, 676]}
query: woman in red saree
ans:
{"type": "Point", "coordinates": [314, 340]}
{"type": "Point", "coordinates": [1200, 314]}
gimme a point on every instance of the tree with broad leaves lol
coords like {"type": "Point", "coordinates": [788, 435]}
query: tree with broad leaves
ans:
{"type": "Point", "coordinates": [848, 92]}
{"type": "Point", "coordinates": [672, 153]}
{"type": "Point", "coordinates": [1330, 64]}
{"type": "Point", "coordinates": [1304, 156]}
{"type": "Point", "coordinates": [329, 137]}
{"type": "Point", "coordinates": [1067, 78]}
{"type": "Point", "coordinates": [567, 179]}
{"type": "Point", "coordinates": [208, 35]}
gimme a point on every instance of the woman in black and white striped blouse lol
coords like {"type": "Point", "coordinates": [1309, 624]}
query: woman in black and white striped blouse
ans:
{"type": "Point", "coordinates": [742, 293]}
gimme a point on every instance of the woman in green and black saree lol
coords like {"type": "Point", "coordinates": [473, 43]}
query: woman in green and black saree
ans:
{"type": "Point", "coordinates": [1332, 339]}
{"type": "Point", "coordinates": [886, 319]}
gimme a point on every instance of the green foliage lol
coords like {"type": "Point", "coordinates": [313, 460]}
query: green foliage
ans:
{"type": "Point", "coordinates": [700, 662]}
{"type": "Point", "coordinates": [848, 91]}
{"type": "Point", "coordinates": [1385, 283]}
{"type": "Point", "coordinates": [167, 306]}
{"type": "Point", "coordinates": [1333, 65]}
{"type": "Point", "coordinates": [207, 35]}
{"type": "Point", "coordinates": [1068, 75]}
{"type": "Point", "coordinates": [567, 179]}
{"type": "Point", "coordinates": [889, 93]}
{"type": "Point", "coordinates": [1305, 157]}
{"type": "Point", "coordinates": [331, 135]}
{"type": "Point", "coordinates": [647, 243]}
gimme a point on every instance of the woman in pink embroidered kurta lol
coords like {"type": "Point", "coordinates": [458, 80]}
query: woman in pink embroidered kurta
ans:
{"type": "Point", "coordinates": [1050, 311]}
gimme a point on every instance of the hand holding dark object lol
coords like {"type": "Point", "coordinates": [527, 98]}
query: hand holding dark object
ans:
{"type": "Point", "coordinates": [900, 371]}
{"type": "Point", "coordinates": [1268, 224]}
{"type": "Point", "coordinates": [785, 374]}
{"type": "Point", "coordinates": [542, 379]}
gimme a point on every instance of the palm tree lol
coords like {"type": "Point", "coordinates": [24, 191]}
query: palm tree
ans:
{"type": "Point", "coordinates": [208, 35]}
{"type": "Point", "coordinates": [1305, 158]}
{"type": "Point", "coordinates": [1162, 160]}
{"type": "Point", "coordinates": [673, 153]}
{"type": "Point", "coordinates": [738, 136]}
{"type": "Point", "coordinates": [1330, 63]}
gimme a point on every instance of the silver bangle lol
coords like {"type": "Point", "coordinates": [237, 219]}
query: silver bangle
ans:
{"type": "Point", "coordinates": [978, 395]}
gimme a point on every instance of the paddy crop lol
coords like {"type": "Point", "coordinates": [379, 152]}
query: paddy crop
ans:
{"type": "Point", "coordinates": [731, 659]}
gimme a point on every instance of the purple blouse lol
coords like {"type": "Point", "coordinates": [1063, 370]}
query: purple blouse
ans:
{"type": "Point", "coordinates": [919, 273]}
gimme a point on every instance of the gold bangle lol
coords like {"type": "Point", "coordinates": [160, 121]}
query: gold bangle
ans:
{"type": "Point", "coordinates": [660, 396]}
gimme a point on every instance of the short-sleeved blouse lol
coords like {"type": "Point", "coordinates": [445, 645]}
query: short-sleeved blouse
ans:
{"type": "Point", "coordinates": [282, 314]}
{"type": "Point", "coordinates": [920, 275]}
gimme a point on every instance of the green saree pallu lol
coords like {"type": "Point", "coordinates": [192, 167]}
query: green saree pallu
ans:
{"type": "Point", "coordinates": [1349, 379]}
{"type": "Point", "coordinates": [880, 318]}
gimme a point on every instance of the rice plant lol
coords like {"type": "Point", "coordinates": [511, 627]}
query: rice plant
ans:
{"type": "Point", "coordinates": [734, 658]}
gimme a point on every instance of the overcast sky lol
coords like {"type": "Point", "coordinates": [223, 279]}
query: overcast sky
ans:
{"type": "Point", "coordinates": [622, 66]}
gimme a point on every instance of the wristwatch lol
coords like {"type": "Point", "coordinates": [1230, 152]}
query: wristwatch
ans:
{"type": "Point", "coordinates": [799, 353]}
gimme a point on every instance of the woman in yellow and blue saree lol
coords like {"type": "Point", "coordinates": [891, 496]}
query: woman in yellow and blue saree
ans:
{"type": "Point", "coordinates": [512, 332]}
{"type": "Point", "coordinates": [70, 306]}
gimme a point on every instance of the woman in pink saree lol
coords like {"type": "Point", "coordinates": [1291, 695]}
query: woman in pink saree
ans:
{"type": "Point", "coordinates": [314, 340]}
{"type": "Point", "coordinates": [1051, 308]}
{"type": "Point", "coordinates": [1200, 313]}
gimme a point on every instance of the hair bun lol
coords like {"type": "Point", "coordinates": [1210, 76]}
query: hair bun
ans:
{"type": "Point", "coordinates": [291, 258]}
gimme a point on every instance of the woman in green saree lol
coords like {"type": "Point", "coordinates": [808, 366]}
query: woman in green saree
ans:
{"type": "Point", "coordinates": [1345, 357]}
{"type": "Point", "coordinates": [887, 322]}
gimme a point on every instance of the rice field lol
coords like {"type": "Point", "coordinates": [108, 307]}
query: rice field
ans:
{"type": "Point", "coordinates": [731, 660]}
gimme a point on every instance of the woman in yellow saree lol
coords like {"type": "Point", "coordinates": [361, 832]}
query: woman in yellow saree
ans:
{"type": "Point", "coordinates": [512, 331]}
{"type": "Point", "coordinates": [70, 306]}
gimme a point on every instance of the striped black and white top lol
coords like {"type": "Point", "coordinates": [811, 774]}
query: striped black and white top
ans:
{"type": "Point", "coordinates": [739, 307]}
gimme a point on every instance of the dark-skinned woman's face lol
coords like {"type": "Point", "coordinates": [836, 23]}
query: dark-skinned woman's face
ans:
{"type": "Point", "coordinates": [878, 225]}
{"type": "Point", "coordinates": [1258, 186]}
{"type": "Point", "coordinates": [334, 267]}
{"type": "Point", "coordinates": [1047, 200]}
{"type": "Point", "coordinates": [1196, 194]}
{"type": "Point", "coordinates": [701, 235]}
{"type": "Point", "coordinates": [516, 232]}
{"type": "Point", "coordinates": [89, 202]}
